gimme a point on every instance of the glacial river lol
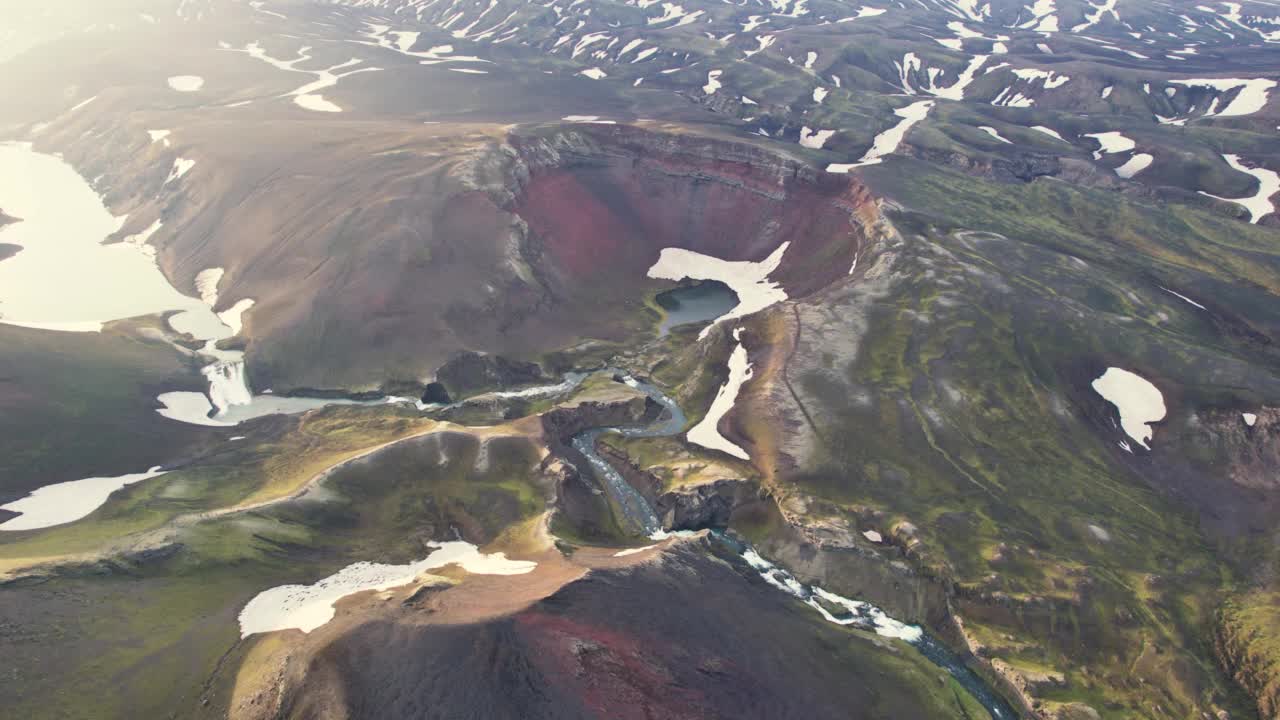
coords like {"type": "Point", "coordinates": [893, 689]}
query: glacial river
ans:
{"type": "Point", "coordinates": [834, 608]}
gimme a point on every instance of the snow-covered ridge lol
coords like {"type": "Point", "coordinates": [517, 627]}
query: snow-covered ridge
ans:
{"type": "Point", "coordinates": [1251, 97]}
{"type": "Point", "coordinates": [307, 96]}
{"type": "Point", "coordinates": [1259, 204]}
{"type": "Point", "coordinates": [887, 142]}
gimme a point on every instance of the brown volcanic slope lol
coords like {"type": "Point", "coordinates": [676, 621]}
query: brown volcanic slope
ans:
{"type": "Point", "coordinates": [474, 256]}
{"type": "Point", "coordinates": [375, 252]}
{"type": "Point", "coordinates": [609, 645]}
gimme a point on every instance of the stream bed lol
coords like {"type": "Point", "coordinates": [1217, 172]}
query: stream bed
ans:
{"type": "Point", "coordinates": [836, 609]}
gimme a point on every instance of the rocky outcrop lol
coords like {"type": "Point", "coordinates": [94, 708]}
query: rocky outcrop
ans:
{"type": "Point", "coordinates": [833, 554]}
{"type": "Point", "coordinates": [687, 507]}
{"type": "Point", "coordinates": [580, 503]}
{"type": "Point", "coordinates": [436, 393]}
{"type": "Point", "coordinates": [1022, 167]}
{"type": "Point", "coordinates": [1072, 711]}
{"type": "Point", "coordinates": [699, 507]}
{"type": "Point", "coordinates": [470, 372]}
{"type": "Point", "coordinates": [710, 505]}
{"type": "Point", "coordinates": [560, 424]}
{"type": "Point", "coordinates": [8, 250]}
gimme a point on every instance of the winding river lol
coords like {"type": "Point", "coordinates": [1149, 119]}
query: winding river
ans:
{"type": "Point", "coordinates": [834, 608]}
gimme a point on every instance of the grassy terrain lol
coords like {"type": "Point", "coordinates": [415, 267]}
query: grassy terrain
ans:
{"type": "Point", "coordinates": [76, 405]}
{"type": "Point", "coordinates": [1250, 644]}
{"type": "Point", "coordinates": [246, 472]}
{"type": "Point", "coordinates": [965, 420]}
{"type": "Point", "coordinates": [130, 639]}
{"type": "Point", "coordinates": [678, 464]}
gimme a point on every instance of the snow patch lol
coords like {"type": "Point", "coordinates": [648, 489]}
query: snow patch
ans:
{"type": "Point", "coordinates": [66, 502]}
{"type": "Point", "coordinates": [633, 551]}
{"type": "Point", "coordinates": [814, 138]}
{"type": "Point", "coordinates": [307, 607]}
{"type": "Point", "coordinates": [207, 285]}
{"type": "Point", "coordinates": [186, 83]}
{"type": "Point", "coordinates": [181, 166]}
{"type": "Point", "coordinates": [159, 136]}
{"type": "Point", "coordinates": [595, 119]}
{"type": "Point", "coordinates": [1183, 297]}
{"type": "Point", "coordinates": [1259, 204]}
{"type": "Point", "coordinates": [993, 133]}
{"type": "Point", "coordinates": [1048, 131]}
{"type": "Point", "coordinates": [1251, 98]}
{"type": "Point", "coordinates": [1138, 401]}
{"type": "Point", "coordinates": [887, 142]}
{"type": "Point", "coordinates": [706, 433]}
{"type": "Point", "coordinates": [713, 82]}
{"type": "Point", "coordinates": [1134, 165]}
{"type": "Point", "coordinates": [748, 280]}
{"type": "Point", "coordinates": [1110, 142]}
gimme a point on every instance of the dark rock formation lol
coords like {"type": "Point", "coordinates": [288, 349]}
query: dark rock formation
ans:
{"type": "Point", "coordinates": [695, 507]}
{"type": "Point", "coordinates": [704, 506]}
{"type": "Point", "coordinates": [468, 373]}
{"type": "Point", "coordinates": [562, 423]}
{"type": "Point", "coordinates": [1022, 167]}
{"type": "Point", "coordinates": [580, 503]}
{"type": "Point", "coordinates": [436, 394]}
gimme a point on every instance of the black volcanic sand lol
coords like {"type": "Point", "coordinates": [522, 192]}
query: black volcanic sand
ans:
{"type": "Point", "coordinates": [687, 636]}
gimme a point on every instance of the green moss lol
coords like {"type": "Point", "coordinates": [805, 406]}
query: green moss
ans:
{"type": "Point", "coordinates": [75, 405]}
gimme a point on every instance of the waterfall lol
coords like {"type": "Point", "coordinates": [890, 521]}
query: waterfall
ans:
{"type": "Point", "coordinates": [227, 385]}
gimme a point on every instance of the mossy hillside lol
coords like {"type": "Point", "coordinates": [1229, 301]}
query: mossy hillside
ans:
{"type": "Point", "coordinates": [1229, 266]}
{"type": "Point", "coordinates": [76, 405]}
{"type": "Point", "coordinates": [239, 473]}
{"type": "Point", "coordinates": [1249, 644]}
{"type": "Point", "coordinates": [1187, 158]}
{"type": "Point", "coordinates": [678, 464]}
{"type": "Point", "coordinates": [981, 430]}
{"type": "Point", "coordinates": [144, 637]}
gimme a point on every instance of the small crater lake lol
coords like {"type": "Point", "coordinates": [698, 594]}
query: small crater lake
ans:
{"type": "Point", "coordinates": [698, 303]}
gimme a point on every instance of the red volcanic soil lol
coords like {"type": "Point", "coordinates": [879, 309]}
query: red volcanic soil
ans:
{"type": "Point", "coordinates": [613, 674]}
{"type": "Point", "coordinates": [611, 208]}
{"type": "Point", "coordinates": [684, 636]}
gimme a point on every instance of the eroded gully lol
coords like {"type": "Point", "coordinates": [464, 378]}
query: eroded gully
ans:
{"type": "Point", "coordinates": [834, 608]}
